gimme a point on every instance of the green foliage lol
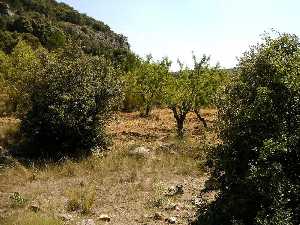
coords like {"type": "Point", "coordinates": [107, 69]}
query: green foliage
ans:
{"type": "Point", "coordinates": [70, 101]}
{"type": "Point", "coordinates": [189, 89]}
{"type": "Point", "coordinates": [145, 83]}
{"type": "Point", "coordinates": [17, 201]}
{"type": "Point", "coordinates": [53, 24]}
{"type": "Point", "coordinates": [17, 73]}
{"type": "Point", "coordinates": [257, 164]}
{"type": "Point", "coordinates": [22, 25]}
{"type": "Point", "coordinates": [8, 41]}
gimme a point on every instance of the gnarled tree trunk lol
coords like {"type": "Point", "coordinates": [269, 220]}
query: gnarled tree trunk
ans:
{"type": "Point", "coordinates": [197, 112]}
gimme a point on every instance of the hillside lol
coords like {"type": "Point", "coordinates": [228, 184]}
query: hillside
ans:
{"type": "Point", "coordinates": [52, 25]}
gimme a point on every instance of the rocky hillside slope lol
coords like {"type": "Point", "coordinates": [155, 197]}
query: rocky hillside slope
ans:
{"type": "Point", "coordinates": [52, 25]}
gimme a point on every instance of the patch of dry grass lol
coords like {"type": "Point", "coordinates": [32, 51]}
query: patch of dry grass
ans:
{"type": "Point", "coordinates": [115, 183]}
{"type": "Point", "coordinates": [30, 218]}
{"type": "Point", "coordinates": [81, 198]}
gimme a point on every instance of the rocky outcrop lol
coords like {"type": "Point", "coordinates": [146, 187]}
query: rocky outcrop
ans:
{"type": "Point", "coordinates": [4, 9]}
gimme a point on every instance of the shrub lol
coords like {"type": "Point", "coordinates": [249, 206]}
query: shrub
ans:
{"type": "Point", "coordinates": [257, 164]}
{"type": "Point", "coordinates": [82, 199]}
{"type": "Point", "coordinates": [70, 102]}
{"type": "Point", "coordinates": [17, 201]}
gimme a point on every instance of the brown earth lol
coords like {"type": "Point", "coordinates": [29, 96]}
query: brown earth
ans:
{"type": "Point", "coordinates": [129, 189]}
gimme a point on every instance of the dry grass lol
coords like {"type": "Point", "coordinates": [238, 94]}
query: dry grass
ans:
{"type": "Point", "coordinates": [129, 189]}
{"type": "Point", "coordinates": [30, 218]}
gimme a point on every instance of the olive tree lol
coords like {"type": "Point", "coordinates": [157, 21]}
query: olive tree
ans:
{"type": "Point", "coordinates": [256, 166]}
{"type": "Point", "coordinates": [190, 89]}
{"type": "Point", "coordinates": [145, 83]}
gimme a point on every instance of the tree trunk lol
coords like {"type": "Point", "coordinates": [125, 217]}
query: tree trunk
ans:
{"type": "Point", "coordinates": [197, 112]}
{"type": "Point", "coordinates": [180, 118]}
{"type": "Point", "coordinates": [147, 110]}
{"type": "Point", "coordinates": [180, 123]}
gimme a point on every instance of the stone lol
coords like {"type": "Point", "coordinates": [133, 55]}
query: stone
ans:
{"type": "Point", "coordinates": [4, 9]}
{"type": "Point", "coordinates": [65, 217]}
{"type": "Point", "coordinates": [171, 220]}
{"type": "Point", "coordinates": [140, 152]}
{"type": "Point", "coordinates": [87, 222]}
{"type": "Point", "coordinates": [171, 206]}
{"type": "Point", "coordinates": [104, 217]}
{"type": "Point", "coordinates": [166, 146]}
{"type": "Point", "coordinates": [175, 190]}
{"type": "Point", "coordinates": [197, 202]}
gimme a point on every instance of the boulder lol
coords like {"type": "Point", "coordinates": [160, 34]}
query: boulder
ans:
{"type": "Point", "coordinates": [175, 190]}
{"type": "Point", "coordinates": [171, 220]}
{"type": "Point", "coordinates": [4, 9]}
{"type": "Point", "coordinates": [87, 222]}
{"type": "Point", "coordinates": [141, 152]}
{"type": "Point", "coordinates": [104, 217]}
{"type": "Point", "coordinates": [65, 217]}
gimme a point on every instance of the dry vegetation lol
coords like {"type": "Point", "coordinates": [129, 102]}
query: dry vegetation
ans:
{"type": "Point", "coordinates": [129, 189]}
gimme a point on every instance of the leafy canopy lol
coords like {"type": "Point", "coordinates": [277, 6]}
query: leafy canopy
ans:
{"type": "Point", "coordinates": [257, 164]}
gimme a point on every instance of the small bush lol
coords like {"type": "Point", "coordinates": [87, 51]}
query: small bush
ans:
{"type": "Point", "coordinates": [17, 200]}
{"type": "Point", "coordinates": [70, 103]}
{"type": "Point", "coordinates": [81, 199]}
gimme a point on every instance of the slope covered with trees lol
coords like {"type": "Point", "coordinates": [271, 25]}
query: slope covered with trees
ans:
{"type": "Point", "coordinates": [52, 25]}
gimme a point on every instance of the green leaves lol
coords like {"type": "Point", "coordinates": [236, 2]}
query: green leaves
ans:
{"type": "Point", "coordinates": [260, 132]}
{"type": "Point", "coordinates": [62, 98]}
{"type": "Point", "coordinates": [146, 83]}
{"type": "Point", "coordinates": [190, 89]}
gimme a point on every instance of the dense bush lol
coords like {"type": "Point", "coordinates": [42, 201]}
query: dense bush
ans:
{"type": "Point", "coordinates": [257, 164]}
{"type": "Point", "coordinates": [70, 101]}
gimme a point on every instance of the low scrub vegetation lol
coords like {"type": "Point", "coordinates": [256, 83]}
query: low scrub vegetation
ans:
{"type": "Point", "coordinates": [81, 199]}
{"type": "Point", "coordinates": [71, 89]}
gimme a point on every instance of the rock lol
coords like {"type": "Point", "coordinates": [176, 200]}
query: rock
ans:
{"type": "Point", "coordinates": [197, 202]}
{"type": "Point", "coordinates": [166, 146]}
{"type": "Point", "coordinates": [104, 217]}
{"type": "Point", "coordinates": [171, 220]}
{"type": "Point", "coordinates": [175, 190]}
{"type": "Point", "coordinates": [173, 206]}
{"type": "Point", "coordinates": [87, 222]}
{"type": "Point", "coordinates": [4, 9]}
{"type": "Point", "coordinates": [65, 217]}
{"type": "Point", "coordinates": [140, 152]}
{"type": "Point", "coordinates": [158, 216]}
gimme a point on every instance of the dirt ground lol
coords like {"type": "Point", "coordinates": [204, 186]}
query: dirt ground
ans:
{"type": "Point", "coordinates": [119, 187]}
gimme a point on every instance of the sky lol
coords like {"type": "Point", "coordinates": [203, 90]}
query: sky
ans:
{"type": "Point", "coordinates": [223, 29]}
